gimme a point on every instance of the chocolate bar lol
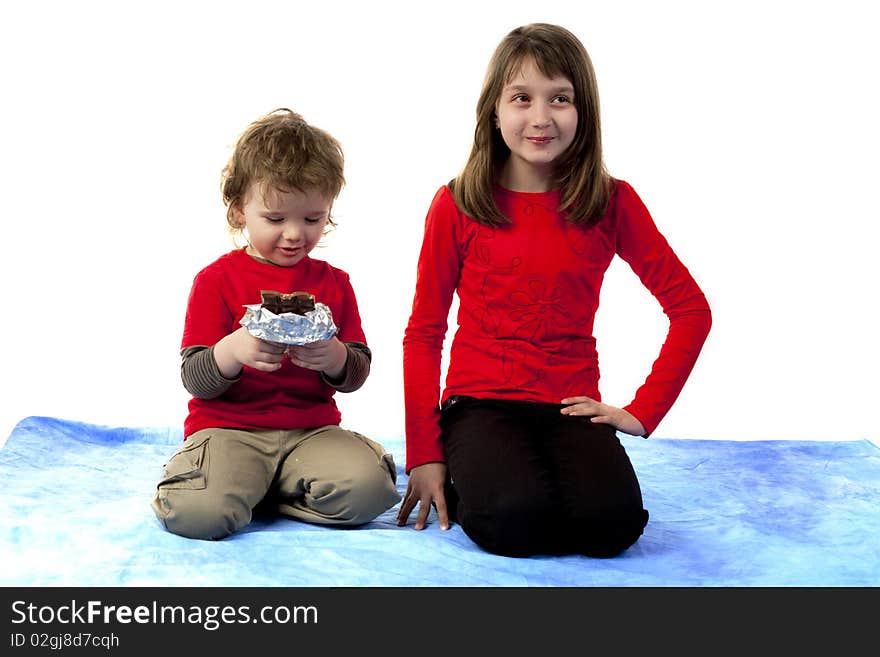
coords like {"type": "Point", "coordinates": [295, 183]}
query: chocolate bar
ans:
{"type": "Point", "coordinates": [293, 302]}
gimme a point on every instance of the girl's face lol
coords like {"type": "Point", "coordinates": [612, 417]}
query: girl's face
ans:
{"type": "Point", "coordinates": [538, 120]}
{"type": "Point", "coordinates": [283, 227]}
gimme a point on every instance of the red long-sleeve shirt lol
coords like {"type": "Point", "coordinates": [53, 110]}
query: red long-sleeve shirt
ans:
{"type": "Point", "coordinates": [528, 294]}
{"type": "Point", "coordinates": [291, 397]}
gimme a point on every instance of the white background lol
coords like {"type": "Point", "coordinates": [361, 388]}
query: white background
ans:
{"type": "Point", "coordinates": [748, 128]}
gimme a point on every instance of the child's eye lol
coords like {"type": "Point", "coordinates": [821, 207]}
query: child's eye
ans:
{"type": "Point", "coordinates": [275, 220]}
{"type": "Point", "coordinates": [561, 99]}
{"type": "Point", "coordinates": [520, 98]}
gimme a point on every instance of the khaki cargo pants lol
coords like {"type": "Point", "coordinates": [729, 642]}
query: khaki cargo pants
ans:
{"type": "Point", "coordinates": [326, 475]}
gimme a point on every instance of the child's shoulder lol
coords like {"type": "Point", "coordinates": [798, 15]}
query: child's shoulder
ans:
{"type": "Point", "coordinates": [322, 268]}
{"type": "Point", "coordinates": [224, 263]}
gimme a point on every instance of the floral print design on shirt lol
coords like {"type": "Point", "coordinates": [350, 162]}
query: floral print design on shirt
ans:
{"type": "Point", "coordinates": [593, 243]}
{"type": "Point", "coordinates": [536, 309]}
{"type": "Point", "coordinates": [487, 314]}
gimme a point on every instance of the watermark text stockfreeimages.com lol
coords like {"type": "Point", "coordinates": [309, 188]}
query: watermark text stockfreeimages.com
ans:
{"type": "Point", "coordinates": [210, 617]}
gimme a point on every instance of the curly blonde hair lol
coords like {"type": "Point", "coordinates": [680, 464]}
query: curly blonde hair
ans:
{"type": "Point", "coordinates": [282, 152]}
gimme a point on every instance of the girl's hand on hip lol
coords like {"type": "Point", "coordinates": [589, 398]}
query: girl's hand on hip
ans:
{"type": "Point", "coordinates": [603, 413]}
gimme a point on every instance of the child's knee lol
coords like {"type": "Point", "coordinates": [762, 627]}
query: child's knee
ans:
{"type": "Point", "coordinates": [368, 487]}
{"type": "Point", "coordinates": [196, 514]}
{"type": "Point", "coordinates": [365, 497]}
{"type": "Point", "coordinates": [379, 494]}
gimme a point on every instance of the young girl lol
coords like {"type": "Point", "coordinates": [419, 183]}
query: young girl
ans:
{"type": "Point", "coordinates": [520, 449]}
{"type": "Point", "coordinates": [262, 423]}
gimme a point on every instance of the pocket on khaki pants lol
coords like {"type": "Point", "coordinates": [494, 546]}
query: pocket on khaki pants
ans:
{"type": "Point", "coordinates": [189, 466]}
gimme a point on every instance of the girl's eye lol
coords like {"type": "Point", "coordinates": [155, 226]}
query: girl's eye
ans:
{"type": "Point", "coordinates": [275, 220]}
{"type": "Point", "coordinates": [312, 220]}
{"type": "Point", "coordinates": [520, 98]}
{"type": "Point", "coordinates": [561, 99]}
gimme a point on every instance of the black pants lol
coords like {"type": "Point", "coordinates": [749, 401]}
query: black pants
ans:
{"type": "Point", "coordinates": [525, 480]}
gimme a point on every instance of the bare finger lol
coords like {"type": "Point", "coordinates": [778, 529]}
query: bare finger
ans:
{"type": "Point", "coordinates": [422, 517]}
{"type": "Point", "coordinates": [301, 363]}
{"type": "Point", "coordinates": [265, 366]}
{"type": "Point", "coordinates": [406, 507]}
{"type": "Point", "coordinates": [442, 515]}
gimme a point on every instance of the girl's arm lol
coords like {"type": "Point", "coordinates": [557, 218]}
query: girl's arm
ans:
{"type": "Point", "coordinates": [649, 255]}
{"type": "Point", "coordinates": [438, 271]}
{"type": "Point", "coordinates": [620, 419]}
{"type": "Point", "coordinates": [437, 276]}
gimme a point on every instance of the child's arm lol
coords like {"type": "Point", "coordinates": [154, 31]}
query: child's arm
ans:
{"type": "Point", "coordinates": [212, 356]}
{"type": "Point", "coordinates": [200, 375]}
{"type": "Point", "coordinates": [357, 368]}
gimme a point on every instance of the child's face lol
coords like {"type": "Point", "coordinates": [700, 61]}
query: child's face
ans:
{"type": "Point", "coordinates": [283, 227]}
{"type": "Point", "coordinates": [538, 121]}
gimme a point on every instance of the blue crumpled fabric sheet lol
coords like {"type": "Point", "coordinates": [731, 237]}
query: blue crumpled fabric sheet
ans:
{"type": "Point", "coordinates": [74, 511]}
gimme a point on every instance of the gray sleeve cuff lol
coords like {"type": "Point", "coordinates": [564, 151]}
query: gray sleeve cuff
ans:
{"type": "Point", "coordinates": [357, 368]}
{"type": "Point", "coordinates": [200, 375]}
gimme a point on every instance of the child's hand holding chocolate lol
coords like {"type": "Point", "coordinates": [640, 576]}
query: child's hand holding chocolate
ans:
{"type": "Point", "coordinates": [327, 356]}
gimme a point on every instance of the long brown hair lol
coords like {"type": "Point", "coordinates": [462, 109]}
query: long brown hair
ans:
{"type": "Point", "coordinates": [581, 176]}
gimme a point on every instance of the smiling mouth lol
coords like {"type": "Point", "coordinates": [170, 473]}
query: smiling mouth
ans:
{"type": "Point", "coordinates": [540, 140]}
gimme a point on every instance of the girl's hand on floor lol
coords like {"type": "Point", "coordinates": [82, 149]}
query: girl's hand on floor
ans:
{"type": "Point", "coordinates": [425, 486]}
{"type": "Point", "coordinates": [603, 413]}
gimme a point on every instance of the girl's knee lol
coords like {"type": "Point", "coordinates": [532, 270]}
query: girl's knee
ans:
{"type": "Point", "coordinates": [533, 528]}
{"type": "Point", "coordinates": [610, 535]}
{"type": "Point", "coordinates": [512, 530]}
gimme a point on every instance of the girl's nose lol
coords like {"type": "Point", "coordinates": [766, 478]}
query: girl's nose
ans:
{"type": "Point", "coordinates": [540, 115]}
{"type": "Point", "coordinates": [541, 120]}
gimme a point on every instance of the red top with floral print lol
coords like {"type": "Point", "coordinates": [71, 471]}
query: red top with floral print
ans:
{"type": "Point", "coordinates": [528, 294]}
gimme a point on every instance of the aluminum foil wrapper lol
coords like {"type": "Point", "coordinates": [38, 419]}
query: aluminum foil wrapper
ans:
{"type": "Point", "coordinates": [289, 328]}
